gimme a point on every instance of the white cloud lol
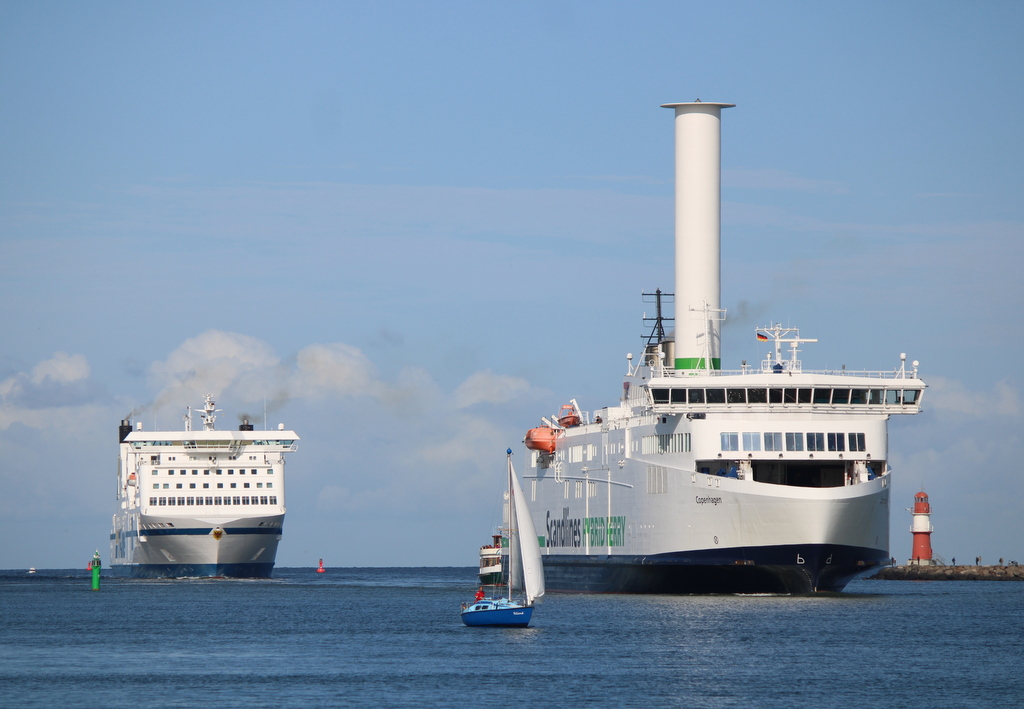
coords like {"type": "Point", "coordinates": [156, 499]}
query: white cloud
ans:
{"type": "Point", "coordinates": [490, 388]}
{"type": "Point", "coordinates": [52, 395]}
{"type": "Point", "coordinates": [333, 369]}
{"type": "Point", "coordinates": [951, 396]}
{"type": "Point", "coordinates": [210, 363]}
{"type": "Point", "coordinates": [61, 368]}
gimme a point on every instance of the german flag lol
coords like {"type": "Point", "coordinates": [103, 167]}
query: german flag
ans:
{"type": "Point", "coordinates": [762, 338]}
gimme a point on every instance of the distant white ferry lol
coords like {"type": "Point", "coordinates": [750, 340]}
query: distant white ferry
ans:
{"type": "Point", "coordinates": [768, 478]}
{"type": "Point", "coordinates": [199, 503]}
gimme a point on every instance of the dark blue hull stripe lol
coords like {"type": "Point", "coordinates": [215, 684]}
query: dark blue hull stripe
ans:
{"type": "Point", "coordinates": [166, 571]}
{"type": "Point", "coordinates": [800, 568]}
{"type": "Point", "coordinates": [199, 531]}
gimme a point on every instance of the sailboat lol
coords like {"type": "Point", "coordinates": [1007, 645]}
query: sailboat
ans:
{"type": "Point", "coordinates": [523, 561]}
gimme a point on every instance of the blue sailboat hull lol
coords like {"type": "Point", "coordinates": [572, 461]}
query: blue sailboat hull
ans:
{"type": "Point", "coordinates": [497, 613]}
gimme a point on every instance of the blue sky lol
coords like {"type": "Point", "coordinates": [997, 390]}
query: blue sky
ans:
{"type": "Point", "coordinates": [415, 228]}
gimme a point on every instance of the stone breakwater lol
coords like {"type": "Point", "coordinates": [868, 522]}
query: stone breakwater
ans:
{"type": "Point", "coordinates": [951, 573]}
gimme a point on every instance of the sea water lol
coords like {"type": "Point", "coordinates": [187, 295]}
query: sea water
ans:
{"type": "Point", "coordinates": [393, 638]}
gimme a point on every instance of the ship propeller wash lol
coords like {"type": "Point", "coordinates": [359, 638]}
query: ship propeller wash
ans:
{"type": "Point", "coordinates": [199, 503]}
{"type": "Point", "coordinates": [766, 479]}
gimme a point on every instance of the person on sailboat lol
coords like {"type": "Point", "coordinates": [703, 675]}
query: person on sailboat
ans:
{"type": "Point", "coordinates": [480, 594]}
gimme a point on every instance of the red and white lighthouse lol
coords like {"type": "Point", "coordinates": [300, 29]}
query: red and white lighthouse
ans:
{"type": "Point", "coordinates": [922, 530]}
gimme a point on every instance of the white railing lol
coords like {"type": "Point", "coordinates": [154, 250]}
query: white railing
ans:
{"type": "Point", "coordinates": [669, 372]}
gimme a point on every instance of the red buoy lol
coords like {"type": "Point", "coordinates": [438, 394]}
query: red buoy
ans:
{"type": "Point", "coordinates": [321, 569]}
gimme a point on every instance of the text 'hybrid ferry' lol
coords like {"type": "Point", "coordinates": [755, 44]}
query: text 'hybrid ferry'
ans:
{"type": "Point", "coordinates": [199, 503]}
{"type": "Point", "coordinates": [770, 478]}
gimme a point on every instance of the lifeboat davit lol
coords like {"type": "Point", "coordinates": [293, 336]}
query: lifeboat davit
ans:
{"type": "Point", "coordinates": [542, 439]}
{"type": "Point", "coordinates": [568, 417]}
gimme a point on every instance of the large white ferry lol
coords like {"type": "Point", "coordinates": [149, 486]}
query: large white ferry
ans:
{"type": "Point", "coordinates": [199, 503]}
{"type": "Point", "coordinates": [769, 478]}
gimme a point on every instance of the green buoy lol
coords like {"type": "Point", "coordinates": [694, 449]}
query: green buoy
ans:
{"type": "Point", "coordinates": [95, 564]}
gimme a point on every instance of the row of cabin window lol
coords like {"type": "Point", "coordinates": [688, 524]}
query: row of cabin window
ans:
{"type": "Point", "coordinates": [785, 396]}
{"type": "Point", "coordinates": [853, 442]}
{"type": "Point", "coordinates": [206, 486]}
{"type": "Point", "coordinates": [208, 444]}
{"type": "Point", "coordinates": [212, 501]}
{"type": "Point", "coordinates": [241, 471]}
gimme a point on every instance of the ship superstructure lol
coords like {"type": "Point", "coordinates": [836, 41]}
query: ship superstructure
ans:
{"type": "Point", "coordinates": [199, 503]}
{"type": "Point", "coordinates": [769, 478]}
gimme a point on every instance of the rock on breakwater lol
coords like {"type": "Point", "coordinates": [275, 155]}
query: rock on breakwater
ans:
{"type": "Point", "coordinates": [951, 573]}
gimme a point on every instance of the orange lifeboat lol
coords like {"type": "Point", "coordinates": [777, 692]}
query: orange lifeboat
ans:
{"type": "Point", "coordinates": [542, 439]}
{"type": "Point", "coordinates": [567, 417]}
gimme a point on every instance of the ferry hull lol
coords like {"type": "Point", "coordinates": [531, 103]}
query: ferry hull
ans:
{"type": "Point", "coordinates": [241, 548]}
{"type": "Point", "coordinates": [740, 570]}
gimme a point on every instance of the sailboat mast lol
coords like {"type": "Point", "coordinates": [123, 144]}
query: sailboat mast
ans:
{"type": "Point", "coordinates": [511, 531]}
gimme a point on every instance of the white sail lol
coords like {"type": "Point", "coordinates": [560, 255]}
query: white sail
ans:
{"type": "Point", "coordinates": [529, 547]}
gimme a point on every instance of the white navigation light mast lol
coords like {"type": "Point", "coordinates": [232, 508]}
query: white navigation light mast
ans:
{"type": "Point", "coordinates": [698, 294]}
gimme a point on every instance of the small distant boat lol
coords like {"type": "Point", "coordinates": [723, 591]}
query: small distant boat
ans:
{"type": "Point", "coordinates": [320, 569]}
{"type": "Point", "coordinates": [490, 563]}
{"type": "Point", "coordinates": [523, 560]}
{"type": "Point", "coordinates": [32, 570]}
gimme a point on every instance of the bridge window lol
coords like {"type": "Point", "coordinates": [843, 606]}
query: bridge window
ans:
{"type": "Point", "coordinates": [775, 396]}
{"type": "Point", "coordinates": [773, 441]}
{"type": "Point", "coordinates": [736, 396]}
{"type": "Point", "coordinates": [858, 396]}
{"type": "Point", "coordinates": [678, 396]}
{"type": "Point", "coordinates": [822, 396]}
{"type": "Point", "coordinates": [716, 396]}
{"type": "Point", "coordinates": [835, 442]}
{"type": "Point", "coordinates": [696, 396]}
{"type": "Point", "coordinates": [840, 396]}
